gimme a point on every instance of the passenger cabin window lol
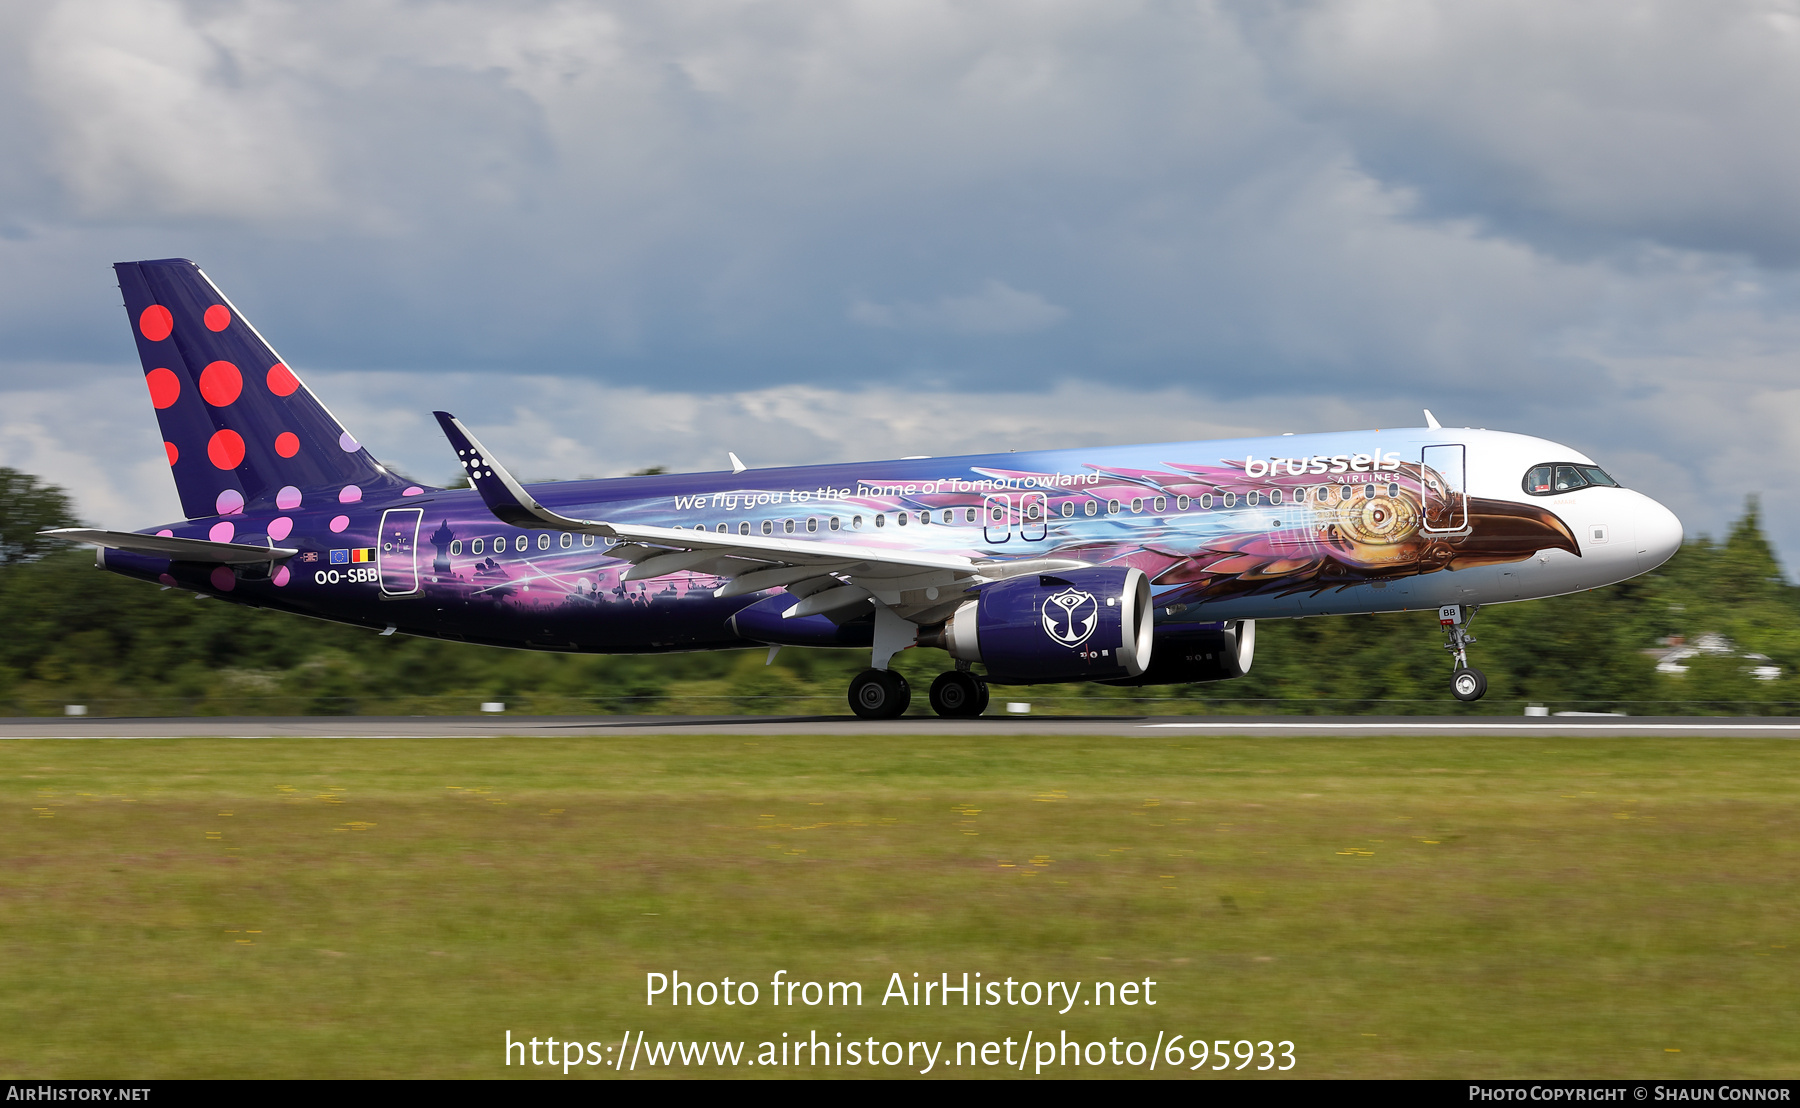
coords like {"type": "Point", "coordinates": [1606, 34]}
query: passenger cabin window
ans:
{"type": "Point", "coordinates": [834, 523]}
{"type": "Point", "coordinates": [456, 547]}
{"type": "Point", "coordinates": [477, 546]}
{"type": "Point", "coordinates": [568, 540]}
{"type": "Point", "coordinates": [588, 540]}
{"type": "Point", "coordinates": [787, 526]}
{"type": "Point", "coordinates": [1181, 503]}
{"type": "Point", "coordinates": [521, 543]}
{"type": "Point", "coordinates": [1552, 478]}
{"type": "Point", "coordinates": [812, 523]}
{"type": "Point", "coordinates": [1206, 501]}
{"type": "Point", "coordinates": [1068, 508]}
{"type": "Point", "coordinates": [1091, 507]}
{"type": "Point", "coordinates": [543, 540]}
{"type": "Point", "coordinates": [768, 527]}
{"type": "Point", "coordinates": [744, 528]}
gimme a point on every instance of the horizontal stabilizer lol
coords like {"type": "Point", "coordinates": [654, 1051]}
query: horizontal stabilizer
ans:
{"type": "Point", "coordinates": [167, 546]}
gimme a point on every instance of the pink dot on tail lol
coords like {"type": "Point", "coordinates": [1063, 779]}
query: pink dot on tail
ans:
{"type": "Point", "coordinates": [288, 498]}
{"type": "Point", "coordinates": [156, 323]}
{"type": "Point", "coordinates": [165, 387]}
{"type": "Point", "coordinates": [348, 444]}
{"type": "Point", "coordinates": [166, 579]}
{"type": "Point", "coordinates": [412, 490]}
{"type": "Point", "coordinates": [221, 383]}
{"type": "Point", "coordinates": [173, 451]}
{"type": "Point", "coordinates": [230, 502]}
{"type": "Point", "coordinates": [350, 495]}
{"type": "Point", "coordinates": [223, 579]}
{"type": "Point", "coordinates": [222, 532]}
{"type": "Point", "coordinates": [287, 444]}
{"type": "Point", "coordinates": [282, 381]}
{"type": "Point", "coordinates": [281, 577]}
{"type": "Point", "coordinates": [280, 528]}
{"type": "Point", "coordinates": [226, 449]}
{"type": "Point", "coordinates": [217, 317]}
{"type": "Point", "coordinates": [339, 523]}
{"type": "Point", "coordinates": [165, 533]}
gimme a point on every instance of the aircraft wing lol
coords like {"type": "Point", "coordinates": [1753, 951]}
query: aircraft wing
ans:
{"type": "Point", "coordinates": [165, 546]}
{"type": "Point", "coordinates": [827, 574]}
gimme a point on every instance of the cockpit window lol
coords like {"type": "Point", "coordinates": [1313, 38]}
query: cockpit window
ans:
{"type": "Point", "coordinates": [1553, 478]}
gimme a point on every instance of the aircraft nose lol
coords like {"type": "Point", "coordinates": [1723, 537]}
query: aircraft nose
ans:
{"type": "Point", "coordinates": [1659, 535]}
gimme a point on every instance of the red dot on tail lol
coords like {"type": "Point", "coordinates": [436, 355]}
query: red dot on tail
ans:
{"type": "Point", "coordinates": [287, 444]}
{"type": "Point", "coordinates": [221, 383]}
{"type": "Point", "coordinates": [156, 323]}
{"type": "Point", "coordinates": [165, 387]}
{"type": "Point", "coordinates": [217, 317]}
{"type": "Point", "coordinates": [282, 381]}
{"type": "Point", "coordinates": [226, 449]}
{"type": "Point", "coordinates": [173, 451]}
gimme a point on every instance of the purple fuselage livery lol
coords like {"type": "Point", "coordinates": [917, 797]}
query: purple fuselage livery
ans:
{"type": "Point", "coordinates": [1252, 529]}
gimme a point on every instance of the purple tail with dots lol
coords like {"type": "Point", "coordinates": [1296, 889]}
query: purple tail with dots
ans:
{"type": "Point", "coordinates": [240, 429]}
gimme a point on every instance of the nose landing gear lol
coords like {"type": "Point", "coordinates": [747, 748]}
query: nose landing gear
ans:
{"type": "Point", "coordinates": [1467, 683]}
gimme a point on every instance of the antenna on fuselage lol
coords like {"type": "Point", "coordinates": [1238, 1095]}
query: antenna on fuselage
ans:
{"type": "Point", "coordinates": [1431, 421]}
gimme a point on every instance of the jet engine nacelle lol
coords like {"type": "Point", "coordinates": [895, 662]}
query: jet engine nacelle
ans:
{"type": "Point", "coordinates": [1078, 625]}
{"type": "Point", "coordinates": [1218, 652]}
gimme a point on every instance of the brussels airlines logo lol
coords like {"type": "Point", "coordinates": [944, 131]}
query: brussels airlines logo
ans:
{"type": "Point", "coordinates": [1071, 616]}
{"type": "Point", "coordinates": [1320, 463]}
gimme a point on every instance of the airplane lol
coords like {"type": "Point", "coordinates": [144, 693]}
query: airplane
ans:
{"type": "Point", "coordinates": [1124, 565]}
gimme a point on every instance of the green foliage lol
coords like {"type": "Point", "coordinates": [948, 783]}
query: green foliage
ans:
{"type": "Point", "coordinates": [27, 507]}
{"type": "Point", "coordinates": [125, 647]}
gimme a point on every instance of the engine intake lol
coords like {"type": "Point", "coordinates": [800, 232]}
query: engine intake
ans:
{"type": "Point", "coordinates": [1076, 625]}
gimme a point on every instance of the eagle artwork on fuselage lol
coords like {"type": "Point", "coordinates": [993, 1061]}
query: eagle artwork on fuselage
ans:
{"type": "Point", "coordinates": [1127, 565]}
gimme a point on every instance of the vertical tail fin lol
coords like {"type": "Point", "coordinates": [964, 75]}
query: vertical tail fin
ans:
{"type": "Point", "coordinates": [239, 428]}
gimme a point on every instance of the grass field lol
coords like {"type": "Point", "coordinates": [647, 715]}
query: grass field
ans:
{"type": "Point", "coordinates": [1394, 907]}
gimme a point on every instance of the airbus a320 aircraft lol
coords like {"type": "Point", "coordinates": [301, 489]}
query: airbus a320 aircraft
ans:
{"type": "Point", "coordinates": [1127, 565]}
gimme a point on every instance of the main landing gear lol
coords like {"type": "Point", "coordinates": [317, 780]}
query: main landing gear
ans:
{"type": "Point", "coordinates": [1466, 682]}
{"type": "Point", "coordinates": [959, 694]}
{"type": "Point", "coordinates": [884, 694]}
{"type": "Point", "coordinates": [879, 694]}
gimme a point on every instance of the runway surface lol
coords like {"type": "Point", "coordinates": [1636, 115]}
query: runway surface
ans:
{"type": "Point", "coordinates": [993, 726]}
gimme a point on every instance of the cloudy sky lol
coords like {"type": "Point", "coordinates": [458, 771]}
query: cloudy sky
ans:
{"type": "Point", "coordinates": [612, 235]}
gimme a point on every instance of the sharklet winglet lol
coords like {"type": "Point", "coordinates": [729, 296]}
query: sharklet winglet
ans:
{"type": "Point", "coordinates": [500, 491]}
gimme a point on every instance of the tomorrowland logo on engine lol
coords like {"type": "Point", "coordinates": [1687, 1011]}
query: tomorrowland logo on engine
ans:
{"type": "Point", "coordinates": [1071, 616]}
